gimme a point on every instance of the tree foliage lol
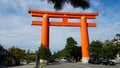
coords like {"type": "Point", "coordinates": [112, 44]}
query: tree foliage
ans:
{"type": "Point", "coordinates": [70, 50]}
{"type": "Point", "coordinates": [59, 4]}
{"type": "Point", "coordinates": [30, 56]}
{"type": "Point", "coordinates": [71, 42]}
{"type": "Point", "coordinates": [57, 54]}
{"type": "Point", "coordinates": [108, 52]}
{"type": "Point", "coordinates": [3, 55]}
{"type": "Point", "coordinates": [95, 48]}
{"type": "Point", "coordinates": [100, 50]}
{"type": "Point", "coordinates": [76, 53]}
{"type": "Point", "coordinates": [44, 53]}
{"type": "Point", "coordinates": [17, 53]}
{"type": "Point", "coordinates": [1, 47]}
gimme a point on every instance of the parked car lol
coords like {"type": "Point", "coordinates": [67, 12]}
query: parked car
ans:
{"type": "Point", "coordinates": [91, 61]}
{"type": "Point", "coordinates": [111, 63]}
{"type": "Point", "coordinates": [64, 60]}
{"type": "Point", "coordinates": [107, 62]}
{"type": "Point", "coordinates": [97, 62]}
{"type": "Point", "coordinates": [70, 60]}
{"type": "Point", "coordinates": [52, 60]}
{"type": "Point", "coordinates": [94, 61]}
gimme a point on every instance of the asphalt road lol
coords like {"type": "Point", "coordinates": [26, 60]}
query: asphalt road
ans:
{"type": "Point", "coordinates": [67, 65]}
{"type": "Point", "coordinates": [31, 65]}
{"type": "Point", "coordinates": [79, 65]}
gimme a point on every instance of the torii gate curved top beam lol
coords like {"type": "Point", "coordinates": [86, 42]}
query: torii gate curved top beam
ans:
{"type": "Point", "coordinates": [52, 14]}
{"type": "Point", "coordinates": [65, 15]}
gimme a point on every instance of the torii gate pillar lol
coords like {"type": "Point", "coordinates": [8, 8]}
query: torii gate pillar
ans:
{"type": "Point", "coordinates": [84, 40]}
{"type": "Point", "coordinates": [45, 31]}
{"type": "Point", "coordinates": [65, 15]}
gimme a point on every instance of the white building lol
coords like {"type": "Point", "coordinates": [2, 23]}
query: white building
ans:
{"type": "Point", "coordinates": [117, 40]}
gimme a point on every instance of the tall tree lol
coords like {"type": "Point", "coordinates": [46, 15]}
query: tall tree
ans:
{"type": "Point", "coordinates": [71, 42]}
{"type": "Point", "coordinates": [76, 53]}
{"type": "Point", "coordinates": [95, 49]}
{"type": "Point", "coordinates": [17, 54]}
{"type": "Point", "coordinates": [59, 4]}
{"type": "Point", "coordinates": [44, 53]}
{"type": "Point", "coordinates": [71, 50]}
{"type": "Point", "coordinates": [108, 52]}
{"type": "Point", "coordinates": [57, 54]}
{"type": "Point", "coordinates": [30, 56]}
{"type": "Point", "coordinates": [3, 55]}
{"type": "Point", "coordinates": [1, 47]}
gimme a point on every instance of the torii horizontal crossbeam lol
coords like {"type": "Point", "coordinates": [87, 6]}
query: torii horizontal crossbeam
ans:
{"type": "Point", "coordinates": [73, 24]}
{"type": "Point", "coordinates": [62, 16]}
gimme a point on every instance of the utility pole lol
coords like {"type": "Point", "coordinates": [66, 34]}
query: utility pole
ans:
{"type": "Point", "coordinates": [37, 61]}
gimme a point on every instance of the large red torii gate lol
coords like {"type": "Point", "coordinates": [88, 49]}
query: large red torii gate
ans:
{"type": "Point", "coordinates": [45, 23]}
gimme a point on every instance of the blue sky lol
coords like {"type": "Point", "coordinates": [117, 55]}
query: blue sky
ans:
{"type": "Point", "coordinates": [16, 29]}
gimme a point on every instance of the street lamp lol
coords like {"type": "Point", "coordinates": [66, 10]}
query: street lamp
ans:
{"type": "Point", "coordinates": [37, 61]}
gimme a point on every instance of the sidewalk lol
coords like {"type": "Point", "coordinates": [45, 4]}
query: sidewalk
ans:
{"type": "Point", "coordinates": [30, 65]}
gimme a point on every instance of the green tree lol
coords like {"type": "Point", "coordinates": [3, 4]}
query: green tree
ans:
{"type": "Point", "coordinates": [30, 56]}
{"type": "Point", "coordinates": [44, 53]}
{"type": "Point", "coordinates": [71, 50]}
{"type": "Point", "coordinates": [118, 47]}
{"type": "Point", "coordinates": [57, 54]}
{"type": "Point", "coordinates": [95, 49]}
{"type": "Point", "coordinates": [17, 54]}
{"type": "Point", "coordinates": [59, 4]}
{"type": "Point", "coordinates": [27, 55]}
{"type": "Point", "coordinates": [1, 47]}
{"type": "Point", "coordinates": [76, 53]}
{"type": "Point", "coordinates": [71, 42]}
{"type": "Point", "coordinates": [3, 56]}
{"type": "Point", "coordinates": [67, 51]}
{"type": "Point", "coordinates": [108, 52]}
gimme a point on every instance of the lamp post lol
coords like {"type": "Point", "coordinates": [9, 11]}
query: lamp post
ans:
{"type": "Point", "coordinates": [37, 61]}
